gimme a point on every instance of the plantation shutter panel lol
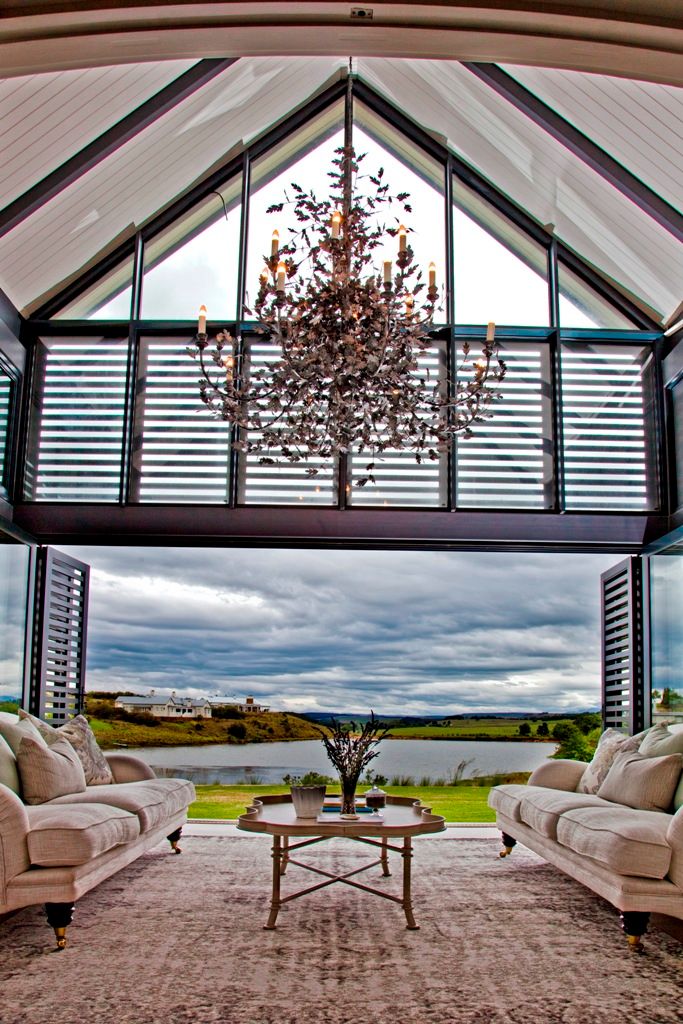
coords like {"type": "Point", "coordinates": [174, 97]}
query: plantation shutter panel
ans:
{"type": "Point", "coordinates": [60, 619]}
{"type": "Point", "coordinates": [622, 646]}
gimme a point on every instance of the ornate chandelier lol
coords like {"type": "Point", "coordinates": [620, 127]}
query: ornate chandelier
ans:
{"type": "Point", "coordinates": [347, 376]}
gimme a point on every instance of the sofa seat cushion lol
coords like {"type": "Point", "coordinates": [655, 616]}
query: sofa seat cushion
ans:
{"type": "Point", "coordinates": [628, 842]}
{"type": "Point", "coordinates": [153, 800]}
{"type": "Point", "coordinates": [506, 799]}
{"type": "Point", "coordinates": [69, 835]}
{"type": "Point", "coordinates": [541, 808]}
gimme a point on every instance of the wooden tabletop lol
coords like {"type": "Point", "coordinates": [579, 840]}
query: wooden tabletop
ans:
{"type": "Point", "coordinates": [402, 816]}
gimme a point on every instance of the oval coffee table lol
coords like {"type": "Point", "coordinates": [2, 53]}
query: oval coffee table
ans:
{"type": "Point", "coordinates": [401, 819]}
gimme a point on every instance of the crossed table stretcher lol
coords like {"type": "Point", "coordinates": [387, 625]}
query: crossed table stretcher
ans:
{"type": "Point", "coordinates": [401, 819]}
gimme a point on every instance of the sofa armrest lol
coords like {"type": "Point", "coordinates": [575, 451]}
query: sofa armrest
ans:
{"type": "Point", "coordinates": [14, 828]}
{"type": "Point", "coordinates": [126, 768]}
{"type": "Point", "coordinates": [561, 774]}
{"type": "Point", "coordinates": [674, 837]}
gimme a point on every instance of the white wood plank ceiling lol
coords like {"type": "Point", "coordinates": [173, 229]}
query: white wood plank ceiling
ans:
{"type": "Point", "coordinates": [46, 118]}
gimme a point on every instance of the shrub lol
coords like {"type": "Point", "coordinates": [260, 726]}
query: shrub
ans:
{"type": "Point", "coordinates": [573, 743]}
{"type": "Point", "coordinates": [310, 779]}
{"type": "Point", "coordinates": [226, 712]}
{"type": "Point", "coordinates": [237, 730]}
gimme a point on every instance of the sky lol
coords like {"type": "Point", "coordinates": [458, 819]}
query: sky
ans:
{"type": "Point", "coordinates": [417, 632]}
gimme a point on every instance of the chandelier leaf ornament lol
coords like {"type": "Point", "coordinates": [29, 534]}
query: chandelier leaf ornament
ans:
{"type": "Point", "coordinates": [347, 337]}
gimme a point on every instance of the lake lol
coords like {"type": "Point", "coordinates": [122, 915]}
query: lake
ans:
{"type": "Point", "coordinates": [269, 762]}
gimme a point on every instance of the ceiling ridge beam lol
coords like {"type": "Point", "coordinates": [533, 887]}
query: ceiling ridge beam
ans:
{"type": "Point", "coordinates": [113, 138]}
{"type": "Point", "coordinates": [583, 147]}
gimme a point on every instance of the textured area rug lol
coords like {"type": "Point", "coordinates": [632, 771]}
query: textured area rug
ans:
{"type": "Point", "coordinates": [180, 940]}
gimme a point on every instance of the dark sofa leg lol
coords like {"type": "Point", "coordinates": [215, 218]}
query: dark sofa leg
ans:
{"type": "Point", "coordinates": [174, 839]}
{"type": "Point", "coordinates": [508, 843]}
{"type": "Point", "coordinates": [634, 923]}
{"type": "Point", "coordinates": [59, 917]}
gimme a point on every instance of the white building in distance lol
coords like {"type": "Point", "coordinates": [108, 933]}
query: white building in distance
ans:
{"type": "Point", "coordinates": [166, 707]}
{"type": "Point", "coordinates": [248, 707]}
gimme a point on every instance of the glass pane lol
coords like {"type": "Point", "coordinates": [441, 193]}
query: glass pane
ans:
{"type": "Point", "coordinates": [500, 272]}
{"type": "Point", "coordinates": [305, 158]}
{"type": "Point", "coordinates": [289, 483]}
{"type": "Point", "coordinates": [400, 480]}
{"type": "Point", "coordinates": [14, 569]}
{"type": "Point", "coordinates": [507, 463]}
{"type": "Point", "coordinates": [580, 306]}
{"type": "Point", "coordinates": [181, 454]}
{"type": "Point", "coordinates": [195, 261]}
{"type": "Point", "coordinates": [108, 299]}
{"type": "Point", "coordinates": [666, 613]}
{"type": "Point", "coordinates": [607, 448]}
{"type": "Point", "coordinates": [677, 402]}
{"type": "Point", "coordinates": [407, 168]}
{"type": "Point", "coordinates": [76, 431]}
{"type": "Point", "coordinates": [5, 399]}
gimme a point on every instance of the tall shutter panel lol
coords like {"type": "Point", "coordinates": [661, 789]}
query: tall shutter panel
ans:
{"type": "Point", "coordinates": [59, 636]}
{"type": "Point", "coordinates": [622, 646]}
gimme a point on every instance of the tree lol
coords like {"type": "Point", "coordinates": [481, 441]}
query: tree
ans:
{"type": "Point", "coordinates": [572, 742]}
{"type": "Point", "coordinates": [525, 729]}
{"type": "Point", "coordinates": [543, 729]}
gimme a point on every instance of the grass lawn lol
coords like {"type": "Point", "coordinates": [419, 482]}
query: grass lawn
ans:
{"type": "Point", "coordinates": [472, 728]}
{"type": "Point", "coordinates": [464, 802]}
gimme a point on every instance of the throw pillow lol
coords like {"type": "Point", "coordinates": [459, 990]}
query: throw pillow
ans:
{"type": "Point", "coordinates": [661, 740]}
{"type": "Point", "coordinates": [9, 775]}
{"type": "Point", "coordinates": [14, 733]}
{"type": "Point", "coordinates": [48, 772]}
{"type": "Point", "coordinates": [646, 783]}
{"type": "Point", "coordinates": [81, 737]}
{"type": "Point", "coordinates": [611, 743]}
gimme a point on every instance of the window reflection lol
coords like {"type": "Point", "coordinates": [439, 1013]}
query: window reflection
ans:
{"type": "Point", "coordinates": [14, 569]}
{"type": "Point", "coordinates": [666, 613]}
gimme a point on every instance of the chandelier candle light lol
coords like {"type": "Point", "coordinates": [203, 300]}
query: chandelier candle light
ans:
{"type": "Point", "coordinates": [347, 339]}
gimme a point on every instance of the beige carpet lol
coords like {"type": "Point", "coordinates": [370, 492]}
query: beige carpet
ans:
{"type": "Point", "coordinates": [179, 940]}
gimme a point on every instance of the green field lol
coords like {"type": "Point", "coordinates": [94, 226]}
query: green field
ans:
{"type": "Point", "coordinates": [474, 729]}
{"type": "Point", "coordinates": [464, 802]}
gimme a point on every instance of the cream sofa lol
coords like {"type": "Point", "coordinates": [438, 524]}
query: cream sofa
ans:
{"type": "Point", "coordinates": [630, 856]}
{"type": "Point", "coordinates": [56, 851]}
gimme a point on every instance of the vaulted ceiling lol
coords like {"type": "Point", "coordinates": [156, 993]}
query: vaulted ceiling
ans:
{"type": "Point", "coordinates": [104, 119]}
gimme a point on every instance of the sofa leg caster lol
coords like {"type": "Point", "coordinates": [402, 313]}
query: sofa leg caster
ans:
{"type": "Point", "coordinates": [508, 845]}
{"type": "Point", "coordinates": [634, 923]}
{"type": "Point", "coordinates": [174, 839]}
{"type": "Point", "coordinates": [59, 917]}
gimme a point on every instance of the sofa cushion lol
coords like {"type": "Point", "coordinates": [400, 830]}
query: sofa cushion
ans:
{"type": "Point", "coordinates": [9, 776]}
{"type": "Point", "coordinates": [76, 834]}
{"type": "Point", "coordinates": [48, 772]}
{"type": "Point", "coordinates": [661, 740]}
{"type": "Point", "coordinates": [81, 737]}
{"type": "Point", "coordinates": [628, 842]}
{"type": "Point", "coordinates": [153, 800]}
{"type": "Point", "coordinates": [647, 783]}
{"type": "Point", "coordinates": [13, 732]}
{"type": "Point", "coordinates": [506, 799]}
{"type": "Point", "coordinates": [541, 808]}
{"type": "Point", "coordinates": [611, 743]}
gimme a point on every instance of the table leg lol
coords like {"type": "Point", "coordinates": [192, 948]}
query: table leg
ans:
{"type": "Point", "coordinates": [384, 857]}
{"type": "Point", "coordinates": [277, 870]}
{"type": "Point", "coordinates": [285, 855]}
{"type": "Point", "coordinates": [407, 854]}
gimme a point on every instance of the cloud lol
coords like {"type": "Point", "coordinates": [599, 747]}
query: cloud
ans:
{"type": "Point", "coordinates": [411, 632]}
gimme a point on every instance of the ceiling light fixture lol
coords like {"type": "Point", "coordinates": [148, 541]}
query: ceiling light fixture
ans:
{"type": "Point", "coordinates": [347, 339]}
